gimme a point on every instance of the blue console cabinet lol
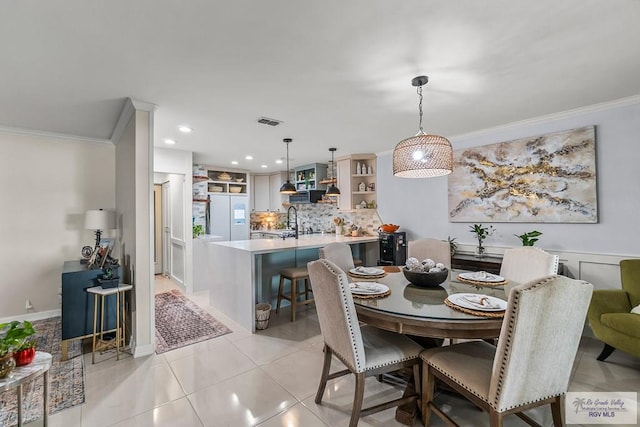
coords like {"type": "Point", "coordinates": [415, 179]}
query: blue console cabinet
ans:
{"type": "Point", "coordinates": [77, 304]}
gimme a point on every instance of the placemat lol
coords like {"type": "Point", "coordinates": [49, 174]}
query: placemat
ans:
{"type": "Point", "coordinates": [375, 296]}
{"type": "Point", "coordinates": [480, 283]}
{"type": "Point", "coordinates": [391, 269]}
{"type": "Point", "coordinates": [492, 314]}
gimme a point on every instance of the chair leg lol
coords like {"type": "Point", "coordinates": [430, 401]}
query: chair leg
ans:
{"type": "Point", "coordinates": [416, 380]}
{"type": "Point", "coordinates": [428, 385]}
{"type": "Point", "coordinates": [606, 352]}
{"type": "Point", "coordinates": [326, 366]}
{"type": "Point", "coordinates": [280, 292]}
{"type": "Point", "coordinates": [556, 412]}
{"type": "Point", "coordinates": [307, 289]}
{"type": "Point", "coordinates": [358, 397]}
{"type": "Point", "coordinates": [294, 298]}
{"type": "Point", "coordinates": [495, 419]}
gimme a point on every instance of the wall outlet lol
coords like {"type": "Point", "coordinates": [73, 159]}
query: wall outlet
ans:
{"type": "Point", "coordinates": [27, 305]}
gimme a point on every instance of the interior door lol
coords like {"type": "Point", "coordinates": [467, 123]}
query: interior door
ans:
{"type": "Point", "coordinates": [157, 229]}
{"type": "Point", "coordinates": [166, 229]}
{"type": "Point", "coordinates": [178, 250]}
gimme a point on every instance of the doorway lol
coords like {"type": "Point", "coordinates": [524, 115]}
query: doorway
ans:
{"type": "Point", "coordinates": [157, 230]}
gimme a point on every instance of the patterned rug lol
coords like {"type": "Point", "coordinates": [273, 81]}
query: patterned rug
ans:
{"type": "Point", "coordinates": [180, 322]}
{"type": "Point", "coordinates": [66, 379]}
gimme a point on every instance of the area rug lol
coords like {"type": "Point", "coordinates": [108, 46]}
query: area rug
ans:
{"type": "Point", "coordinates": [180, 322]}
{"type": "Point", "coordinates": [66, 378]}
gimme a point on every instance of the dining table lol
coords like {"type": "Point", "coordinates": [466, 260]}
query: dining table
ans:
{"type": "Point", "coordinates": [421, 311]}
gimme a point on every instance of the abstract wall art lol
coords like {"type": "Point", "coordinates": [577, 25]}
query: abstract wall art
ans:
{"type": "Point", "coordinates": [546, 178]}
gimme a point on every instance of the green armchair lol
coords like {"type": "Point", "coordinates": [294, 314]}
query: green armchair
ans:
{"type": "Point", "coordinates": [610, 314]}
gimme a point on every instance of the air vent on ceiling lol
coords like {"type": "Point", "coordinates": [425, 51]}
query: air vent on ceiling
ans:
{"type": "Point", "coordinates": [268, 121]}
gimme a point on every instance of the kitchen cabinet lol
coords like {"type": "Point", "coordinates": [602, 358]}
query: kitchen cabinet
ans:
{"type": "Point", "coordinates": [276, 199]}
{"type": "Point", "coordinates": [265, 193]}
{"type": "Point", "coordinates": [261, 193]}
{"type": "Point", "coordinates": [308, 177]}
{"type": "Point", "coordinates": [357, 182]}
{"type": "Point", "coordinates": [227, 182]}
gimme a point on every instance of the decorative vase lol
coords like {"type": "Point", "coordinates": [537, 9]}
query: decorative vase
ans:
{"type": "Point", "coordinates": [7, 364]}
{"type": "Point", "coordinates": [338, 230]}
{"type": "Point", "coordinates": [480, 251]}
{"type": "Point", "coordinates": [24, 357]}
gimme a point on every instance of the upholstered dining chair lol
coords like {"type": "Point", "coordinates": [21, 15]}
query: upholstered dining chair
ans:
{"type": "Point", "coordinates": [365, 351]}
{"type": "Point", "coordinates": [338, 253]}
{"type": "Point", "coordinates": [527, 263]}
{"type": "Point", "coordinates": [532, 362]}
{"type": "Point", "coordinates": [437, 250]}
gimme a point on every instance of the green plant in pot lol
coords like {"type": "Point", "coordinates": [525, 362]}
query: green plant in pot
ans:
{"type": "Point", "coordinates": [17, 340]}
{"type": "Point", "coordinates": [481, 233]}
{"type": "Point", "coordinates": [453, 245]}
{"type": "Point", "coordinates": [528, 239]}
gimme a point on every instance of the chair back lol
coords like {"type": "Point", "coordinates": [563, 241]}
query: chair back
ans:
{"type": "Point", "coordinates": [336, 313]}
{"type": "Point", "coordinates": [528, 263]}
{"type": "Point", "coordinates": [630, 277]}
{"type": "Point", "coordinates": [339, 254]}
{"type": "Point", "coordinates": [538, 342]}
{"type": "Point", "coordinates": [437, 250]}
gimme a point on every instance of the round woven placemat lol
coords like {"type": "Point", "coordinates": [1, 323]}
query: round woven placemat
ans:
{"type": "Point", "coordinates": [492, 314]}
{"type": "Point", "coordinates": [480, 283]}
{"type": "Point", "coordinates": [374, 296]}
{"type": "Point", "coordinates": [391, 269]}
{"type": "Point", "coordinates": [357, 276]}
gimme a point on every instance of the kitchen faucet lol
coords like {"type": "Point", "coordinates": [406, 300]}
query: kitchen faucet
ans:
{"type": "Point", "coordinates": [295, 227]}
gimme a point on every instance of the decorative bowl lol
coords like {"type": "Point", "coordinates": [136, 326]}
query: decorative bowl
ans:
{"type": "Point", "coordinates": [235, 189]}
{"type": "Point", "coordinates": [426, 279]}
{"type": "Point", "coordinates": [239, 179]}
{"type": "Point", "coordinates": [224, 177]}
{"type": "Point", "coordinates": [389, 228]}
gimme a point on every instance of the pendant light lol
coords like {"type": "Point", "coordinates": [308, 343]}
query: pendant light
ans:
{"type": "Point", "coordinates": [332, 190]}
{"type": "Point", "coordinates": [288, 187]}
{"type": "Point", "coordinates": [422, 155]}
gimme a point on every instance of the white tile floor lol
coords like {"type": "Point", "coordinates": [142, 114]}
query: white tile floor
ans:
{"type": "Point", "coordinates": [269, 379]}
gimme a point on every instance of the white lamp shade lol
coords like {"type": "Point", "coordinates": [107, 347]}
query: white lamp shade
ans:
{"type": "Point", "coordinates": [100, 220]}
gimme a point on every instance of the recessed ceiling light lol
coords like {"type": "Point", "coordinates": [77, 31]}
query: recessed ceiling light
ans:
{"type": "Point", "coordinates": [234, 162]}
{"type": "Point", "coordinates": [184, 129]}
{"type": "Point", "coordinates": [248, 157]}
{"type": "Point", "coordinates": [263, 166]}
{"type": "Point", "coordinates": [169, 141]}
{"type": "Point", "coordinates": [279, 161]}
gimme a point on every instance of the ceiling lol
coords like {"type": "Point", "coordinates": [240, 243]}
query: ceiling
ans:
{"type": "Point", "coordinates": [337, 73]}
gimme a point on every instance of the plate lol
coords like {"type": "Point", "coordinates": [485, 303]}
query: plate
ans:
{"type": "Point", "coordinates": [366, 271]}
{"type": "Point", "coordinates": [482, 276]}
{"type": "Point", "coordinates": [472, 302]}
{"type": "Point", "coordinates": [368, 288]}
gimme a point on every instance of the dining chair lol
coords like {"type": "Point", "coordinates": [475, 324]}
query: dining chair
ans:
{"type": "Point", "coordinates": [532, 362]}
{"type": "Point", "coordinates": [527, 263]}
{"type": "Point", "coordinates": [338, 253]}
{"type": "Point", "coordinates": [437, 250]}
{"type": "Point", "coordinates": [365, 351]}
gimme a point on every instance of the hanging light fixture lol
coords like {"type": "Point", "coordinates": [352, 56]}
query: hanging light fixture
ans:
{"type": "Point", "coordinates": [332, 190]}
{"type": "Point", "coordinates": [422, 155]}
{"type": "Point", "coordinates": [288, 187]}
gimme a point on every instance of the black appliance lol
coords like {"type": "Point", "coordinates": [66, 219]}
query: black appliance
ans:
{"type": "Point", "coordinates": [393, 248]}
{"type": "Point", "coordinates": [310, 196]}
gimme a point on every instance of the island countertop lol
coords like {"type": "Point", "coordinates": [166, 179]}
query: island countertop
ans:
{"type": "Point", "coordinates": [304, 241]}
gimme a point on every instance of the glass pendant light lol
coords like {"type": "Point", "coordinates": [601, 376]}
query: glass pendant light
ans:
{"type": "Point", "coordinates": [422, 155]}
{"type": "Point", "coordinates": [288, 187]}
{"type": "Point", "coordinates": [332, 190]}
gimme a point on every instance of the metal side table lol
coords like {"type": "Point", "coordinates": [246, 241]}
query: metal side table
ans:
{"type": "Point", "coordinates": [100, 343]}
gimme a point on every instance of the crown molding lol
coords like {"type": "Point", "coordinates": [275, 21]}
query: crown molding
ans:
{"type": "Point", "coordinates": [130, 106]}
{"type": "Point", "coordinates": [608, 105]}
{"type": "Point", "coordinates": [53, 135]}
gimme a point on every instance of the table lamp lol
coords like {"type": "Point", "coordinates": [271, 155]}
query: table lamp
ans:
{"type": "Point", "coordinates": [99, 220]}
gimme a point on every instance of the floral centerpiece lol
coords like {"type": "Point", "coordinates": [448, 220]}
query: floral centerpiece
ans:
{"type": "Point", "coordinates": [339, 222]}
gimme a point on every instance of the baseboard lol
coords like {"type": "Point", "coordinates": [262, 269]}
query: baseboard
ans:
{"type": "Point", "coordinates": [33, 316]}
{"type": "Point", "coordinates": [143, 350]}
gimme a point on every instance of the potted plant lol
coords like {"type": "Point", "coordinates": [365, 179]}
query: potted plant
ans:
{"type": "Point", "coordinates": [481, 233]}
{"type": "Point", "coordinates": [453, 245]}
{"type": "Point", "coordinates": [528, 239]}
{"type": "Point", "coordinates": [17, 340]}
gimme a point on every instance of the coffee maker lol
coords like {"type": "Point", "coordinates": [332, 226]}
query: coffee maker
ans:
{"type": "Point", "coordinates": [393, 248]}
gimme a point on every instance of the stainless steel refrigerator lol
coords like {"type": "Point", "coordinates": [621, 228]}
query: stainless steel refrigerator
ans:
{"type": "Point", "coordinates": [229, 216]}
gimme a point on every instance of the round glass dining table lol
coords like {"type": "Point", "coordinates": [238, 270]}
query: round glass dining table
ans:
{"type": "Point", "coordinates": [421, 311]}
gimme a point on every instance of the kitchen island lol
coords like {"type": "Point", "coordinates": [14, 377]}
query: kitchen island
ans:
{"type": "Point", "coordinates": [245, 272]}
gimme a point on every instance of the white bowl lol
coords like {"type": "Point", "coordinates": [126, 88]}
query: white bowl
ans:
{"type": "Point", "coordinates": [235, 189]}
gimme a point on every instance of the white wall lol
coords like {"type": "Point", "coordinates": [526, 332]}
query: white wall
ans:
{"type": "Point", "coordinates": [420, 205]}
{"type": "Point", "coordinates": [46, 186]}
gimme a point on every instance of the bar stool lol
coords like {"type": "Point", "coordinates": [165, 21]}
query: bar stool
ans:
{"type": "Point", "coordinates": [294, 274]}
{"type": "Point", "coordinates": [101, 344]}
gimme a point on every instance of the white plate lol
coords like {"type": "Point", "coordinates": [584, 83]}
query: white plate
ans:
{"type": "Point", "coordinates": [472, 302]}
{"type": "Point", "coordinates": [368, 288]}
{"type": "Point", "coordinates": [482, 276]}
{"type": "Point", "coordinates": [366, 271]}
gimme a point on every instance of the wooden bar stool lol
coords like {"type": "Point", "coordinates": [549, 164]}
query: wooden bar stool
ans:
{"type": "Point", "coordinates": [99, 343]}
{"type": "Point", "coordinates": [294, 274]}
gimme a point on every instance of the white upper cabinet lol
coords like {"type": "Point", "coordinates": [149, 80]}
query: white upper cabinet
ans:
{"type": "Point", "coordinates": [261, 193]}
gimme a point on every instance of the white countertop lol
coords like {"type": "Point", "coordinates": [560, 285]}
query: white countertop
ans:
{"type": "Point", "coordinates": [303, 242]}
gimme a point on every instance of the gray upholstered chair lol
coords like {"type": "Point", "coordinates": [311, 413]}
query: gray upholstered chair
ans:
{"type": "Point", "coordinates": [365, 351]}
{"type": "Point", "coordinates": [339, 254]}
{"type": "Point", "coordinates": [527, 263]}
{"type": "Point", "coordinates": [437, 250]}
{"type": "Point", "coordinates": [532, 363]}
